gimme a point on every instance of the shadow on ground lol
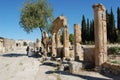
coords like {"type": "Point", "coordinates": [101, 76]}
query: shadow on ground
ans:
{"type": "Point", "coordinates": [114, 77]}
{"type": "Point", "coordinates": [82, 76]}
{"type": "Point", "coordinates": [13, 55]}
{"type": "Point", "coordinates": [52, 64]}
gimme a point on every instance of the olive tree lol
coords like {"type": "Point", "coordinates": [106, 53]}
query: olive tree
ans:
{"type": "Point", "coordinates": [36, 14]}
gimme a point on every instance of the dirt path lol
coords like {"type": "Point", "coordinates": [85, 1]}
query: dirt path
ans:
{"type": "Point", "coordinates": [17, 66]}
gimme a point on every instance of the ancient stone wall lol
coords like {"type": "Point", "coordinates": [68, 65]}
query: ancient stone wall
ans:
{"type": "Point", "coordinates": [89, 54]}
{"type": "Point", "coordinates": [111, 68]}
{"type": "Point", "coordinates": [1, 45]}
{"type": "Point", "coordinates": [20, 43]}
{"type": "Point", "coordinates": [1, 42]}
{"type": "Point", "coordinates": [9, 44]}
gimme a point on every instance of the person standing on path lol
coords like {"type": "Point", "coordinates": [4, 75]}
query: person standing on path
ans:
{"type": "Point", "coordinates": [27, 50]}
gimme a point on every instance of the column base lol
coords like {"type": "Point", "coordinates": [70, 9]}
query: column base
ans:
{"type": "Point", "coordinates": [98, 68]}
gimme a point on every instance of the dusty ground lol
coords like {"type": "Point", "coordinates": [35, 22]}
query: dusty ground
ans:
{"type": "Point", "coordinates": [17, 66]}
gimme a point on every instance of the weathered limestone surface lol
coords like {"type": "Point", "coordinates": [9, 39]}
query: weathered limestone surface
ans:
{"type": "Point", "coordinates": [24, 43]}
{"type": "Point", "coordinates": [75, 67]}
{"type": "Point", "coordinates": [89, 55]}
{"type": "Point", "coordinates": [58, 23]}
{"type": "Point", "coordinates": [58, 44]}
{"type": "Point", "coordinates": [53, 45]}
{"type": "Point", "coordinates": [58, 39]}
{"type": "Point", "coordinates": [100, 34]}
{"type": "Point", "coordinates": [9, 44]}
{"type": "Point", "coordinates": [66, 42]}
{"type": "Point", "coordinates": [111, 68]}
{"type": "Point", "coordinates": [1, 45]}
{"type": "Point", "coordinates": [77, 47]}
{"type": "Point", "coordinates": [1, 42]}
{"type": "Point", "coordinates": [77, 33]}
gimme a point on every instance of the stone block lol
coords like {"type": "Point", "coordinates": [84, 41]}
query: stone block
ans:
{"type": "Point", "coordinates": [75, 67]}
{"type": "Point", "coordinates": [89, 54]}
{"type": "Point", "coordinates": [79, 52]}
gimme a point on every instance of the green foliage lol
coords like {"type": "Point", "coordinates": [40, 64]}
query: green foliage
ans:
{"type": "Point", "coordinates": [111, 30]}
{"type": "Point", "coordinates": [115, 62]}
{"type": "Point", "coordinates": [118, 38]}
{"type": "Point", "coordinates": [118, 19]}
{"type": "Point", "coordinates": [61, 35]}
{"type": "Point", "coordinates": [61, 39]}
{"type": "Point", "coordinates": [48, 29]}
{"type": "Point", "coordinates": [84, 29]}
{"type": "Point", "coordinates": [88, 31]}
{"type": "Point", "coordinates": [36, 14]}
{"type": "Point", "coordinates": [114, 50]}
{"type": "Point", "coordinates": [92, 31]}
{"type": "Point", "coordinates": [24, 43]}
{"type": "Point", "coordinates": [71, 38]}
{"type": "Point", "coordinates": [113, 35]}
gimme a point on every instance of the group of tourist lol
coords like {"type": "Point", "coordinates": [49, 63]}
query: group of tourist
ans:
{"type": "Point", "coordinates": [34, 52]}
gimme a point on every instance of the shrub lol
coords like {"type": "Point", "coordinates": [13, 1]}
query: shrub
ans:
{"type": "Point", "coordinates": [114, 50]}
{"type": "Point", "coordinates": [115, 62]}
{"type": "Point", "coordinates": [118, 38]}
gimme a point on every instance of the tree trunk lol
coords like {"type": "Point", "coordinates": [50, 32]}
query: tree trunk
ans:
{"type": "Point", "coordinates": [41, 34]}
{"type": "Point", "coordinates": [44, 45]}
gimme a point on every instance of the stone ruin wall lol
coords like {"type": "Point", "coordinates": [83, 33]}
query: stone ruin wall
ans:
{"type": "Point", "coordinates": [2, 49]}
{"type": "Point", "coordinates": [109, 68]}
{"type": "Point", "coordinates": [9, 44]}
{"type": "Point", "coordinates": [20, 43]}
{"type": "Point", "coordinates": [97, 54]}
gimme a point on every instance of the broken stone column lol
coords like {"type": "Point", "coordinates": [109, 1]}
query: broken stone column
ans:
{"type": "Point", "coordinates": [58, 44]}
{"type": "Point", "coordinates": [66, 42]}
{"type": "Point", "coordinates": [100, 34]}
{"type": "Point", "coordinates": [77, 46]}
{"type": "Point", "coordinates": [53, 45]}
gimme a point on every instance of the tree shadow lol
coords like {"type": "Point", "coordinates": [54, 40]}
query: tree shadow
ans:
{"type": "Point", "coordinates": [110, 75]}
{"type": "Point", "coordinates": [13, 55]}
{"type": "Point", "coordinates": [78, 75]}
{"type": "Point", "coordinates": [52, 64]}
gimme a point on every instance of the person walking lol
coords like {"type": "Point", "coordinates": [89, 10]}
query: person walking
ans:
{"type": "Point", "coordinates": [27, 50]}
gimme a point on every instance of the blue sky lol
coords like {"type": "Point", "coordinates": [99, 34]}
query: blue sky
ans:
{"type": "Point", "coordinates": [72, 9]}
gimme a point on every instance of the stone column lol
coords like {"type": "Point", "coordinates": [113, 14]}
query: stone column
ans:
{"type": "Point", "coordinates": [58, 39]}
{"type": "Point", "coordinates": [77, 39]}
{"type": "Point", "coordinates": [53, 45]}
{"type": "Point", "coordinates": [66, 42]}
{"type": "Point", "coordinates": [58, 44]}
{"type": "Point", "coordinates": [100, 34]}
